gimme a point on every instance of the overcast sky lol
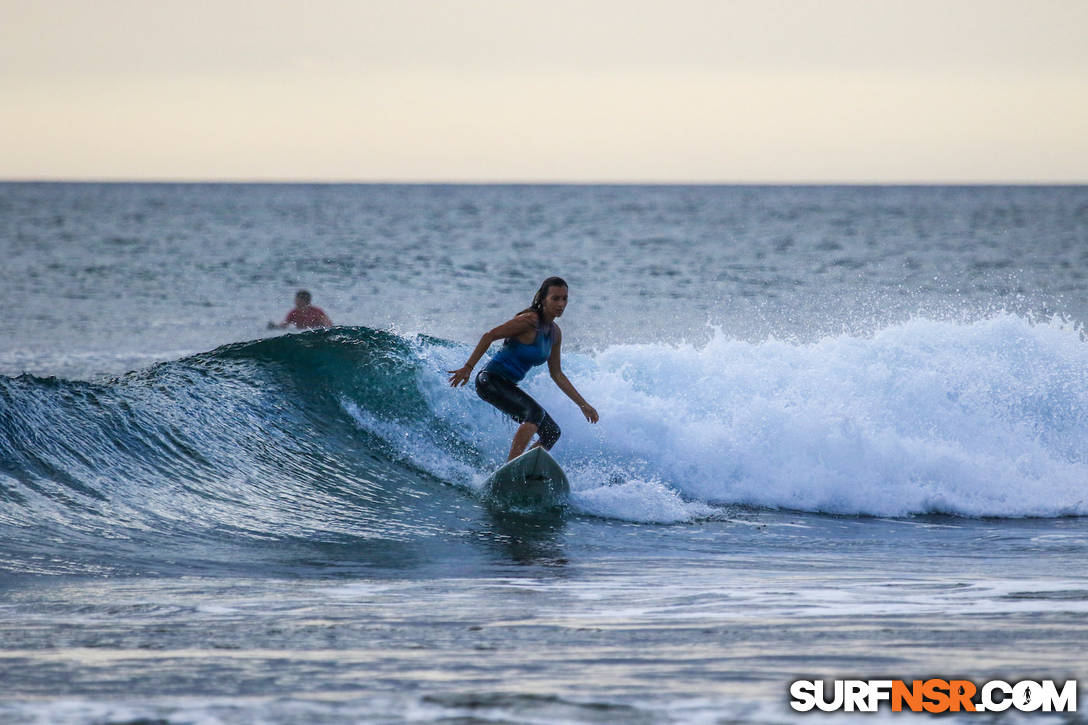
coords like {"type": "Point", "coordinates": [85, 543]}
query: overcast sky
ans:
{"type": "Point", "coordinates": [555, 90]}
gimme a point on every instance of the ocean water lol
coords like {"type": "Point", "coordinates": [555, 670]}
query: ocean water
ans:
{"type": "Point", "coordinates": [844, 433]}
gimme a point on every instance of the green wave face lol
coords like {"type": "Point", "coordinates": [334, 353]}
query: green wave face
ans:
{"type": "Point", "coordinates": [251, 443]}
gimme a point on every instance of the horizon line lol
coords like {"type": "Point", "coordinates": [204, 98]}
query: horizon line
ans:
{"type": "Point", "coordinates": [526, 182]}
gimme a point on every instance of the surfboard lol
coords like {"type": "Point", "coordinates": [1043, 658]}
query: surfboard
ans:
{"type": "Point", "coordinates": [532, 480]}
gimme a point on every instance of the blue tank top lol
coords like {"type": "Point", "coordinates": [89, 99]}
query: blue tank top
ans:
{"type": "Point", "coordinates": [515, 358]}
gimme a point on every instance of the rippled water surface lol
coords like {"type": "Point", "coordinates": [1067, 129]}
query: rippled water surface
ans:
{"type": "Point", "coordinates": [844, 433]}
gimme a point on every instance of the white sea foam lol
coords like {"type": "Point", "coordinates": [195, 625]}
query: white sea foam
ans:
{"type": "Point", "coordinates": [987, 418]}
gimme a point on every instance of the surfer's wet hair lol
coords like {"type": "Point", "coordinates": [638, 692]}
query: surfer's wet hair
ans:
{"type": "Point", "coordinates": [538, 299]}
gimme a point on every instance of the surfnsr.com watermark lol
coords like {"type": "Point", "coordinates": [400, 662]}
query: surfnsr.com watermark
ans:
{"type": "Point", "coordinates": [933, 695]}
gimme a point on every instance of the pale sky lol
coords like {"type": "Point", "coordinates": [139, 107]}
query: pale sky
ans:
{"type": "Point", "coordinates": [745, 91]}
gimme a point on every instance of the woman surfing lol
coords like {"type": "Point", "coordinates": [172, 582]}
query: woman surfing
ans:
{"type": "Point", "coordinates": [531, 338]}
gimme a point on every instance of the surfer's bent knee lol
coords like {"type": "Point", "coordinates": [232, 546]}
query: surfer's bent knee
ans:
{"type": "Point", "coordinates": [549, 432]}
{"type": "Point", "coordinates": [519, 405]}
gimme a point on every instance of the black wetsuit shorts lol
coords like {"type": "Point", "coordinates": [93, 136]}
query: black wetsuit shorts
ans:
{"type": "Point", "coordinates": [516, 403]}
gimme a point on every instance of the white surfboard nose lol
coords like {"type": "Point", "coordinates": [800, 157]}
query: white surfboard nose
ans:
{"type": "Point", "coordinates": [533, 479]}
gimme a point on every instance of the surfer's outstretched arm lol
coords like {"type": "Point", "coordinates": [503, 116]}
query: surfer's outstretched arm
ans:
{"type": "Point", "coordinates": [555, 367]}
{"type": "Point", "coordinates": [511, 328]}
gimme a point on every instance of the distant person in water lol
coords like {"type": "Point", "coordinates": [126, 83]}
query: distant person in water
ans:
{"type": "Point", "coordinates": [304, 316]}
{"type": "Point", "coordinates": [531, 338]}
